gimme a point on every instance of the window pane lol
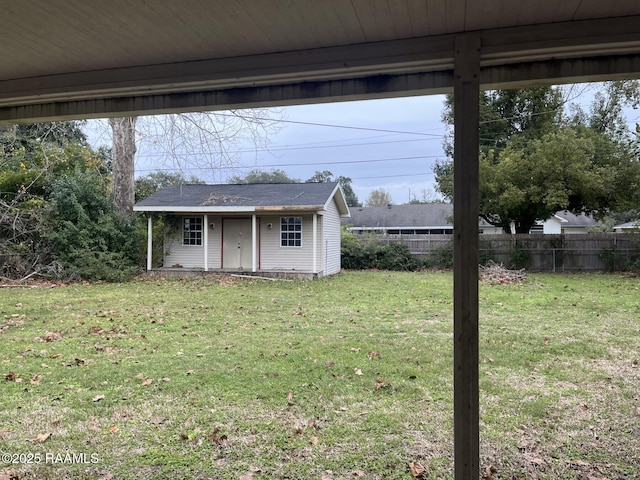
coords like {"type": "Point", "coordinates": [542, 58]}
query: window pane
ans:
{"type": "Point", "coordinates": [291, 231]}
{"type": "Point", "coordinates": [192, 231]}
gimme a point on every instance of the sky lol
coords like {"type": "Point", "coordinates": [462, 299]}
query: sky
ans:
{"type": "Point", "coordinates": [388, 144]}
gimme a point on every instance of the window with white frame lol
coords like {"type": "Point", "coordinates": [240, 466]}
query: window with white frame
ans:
{"type": "Point", "coordinates": [291, 231]}
{"type": "Point", "coordinates": [192, 231]}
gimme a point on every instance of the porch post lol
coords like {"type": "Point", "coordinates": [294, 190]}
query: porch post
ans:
{"type": "Point", "coordinates": [254, 243]}
{"type": "Point", "coordinates": [315, 242]}
{"type": "Point", "coordinates": [465, 256]}
{"type": "Point", "coordinates": [149, 243]}
{"type": "Point", "coordinates": [205, 241]}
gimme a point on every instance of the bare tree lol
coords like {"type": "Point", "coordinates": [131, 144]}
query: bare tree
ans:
{"type": "Point", "coordinates": [204, 141]}
{"type": "Point", "coordinates": [378, 198]}
{"type": "Point", "coordinates": [122, 163]}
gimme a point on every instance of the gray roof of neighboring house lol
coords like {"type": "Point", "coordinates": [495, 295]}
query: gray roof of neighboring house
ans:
{"type": "Point", "coordinates": [236, 197]}
{"type": "Point", "coordinates": [426, 215]}
{"type": "Point", "coordinates": [431, 215]}
{"type": "Point", "coordinates": [573, 220]}
{"type": "Point", "coordinates": [631, 225]}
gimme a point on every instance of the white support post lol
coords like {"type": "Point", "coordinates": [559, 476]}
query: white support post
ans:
{"type": "Point", "coordinates": [315, 242]}
{"type": "Point", "coordinates": [149, 243]}
{"type": "Point", "coordinates": [205, 241]}
{"type": "Point", "coordinates": [466, 112]}
{"type": "Point", "coordinates": [254, 243]}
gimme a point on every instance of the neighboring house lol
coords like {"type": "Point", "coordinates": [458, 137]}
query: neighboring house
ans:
{"type": "Point", "coordinates": [565, 222]}
{"type": "Point", "coordinates": [265, 229]}
{"type": "Point", "coordinates": [411, 219]}
{"type": "Point", "coordinates": [628, 227]}
{"type": "Point", "coordinates": [437, 218]}
{"type": "Point", "coordinates": [423, 218]}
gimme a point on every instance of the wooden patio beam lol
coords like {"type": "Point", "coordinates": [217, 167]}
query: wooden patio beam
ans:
{"type": "Point", "coordinates": [465, 256]}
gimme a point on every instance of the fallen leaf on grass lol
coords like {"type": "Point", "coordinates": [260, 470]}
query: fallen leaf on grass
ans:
{"type": "Point", "coordinates": [36, 379]}
{"type": "Point", "coordinates": [114, 429]}
{"type": "Point", "coordinates": [93, 424]}
{"type": "Point", "coordinates": [189, 372]}
{"type": "Point", "coordinates": [380, 384]}
{"type": "Point", "coordinates": [489, 472]}
{"type": "Point", "coordinates": [215, 437]}
{"type": "Point", "coordinates": [417, 470]}
{"type": "Point", "coordinates": [373, 355]}
{"type": "Point", "coordinates": [358, 473]}
{"type": "Point", "coordinates": [12, 377]}
{"type": "Point", "coordinates": [42, 437]}
{"type": "Point", "coordinates": [357, 371]}
{"type": "Point", "coordinates": [97, 398]}
{"type": "Point", "coordinates": [148, 381]}
{"type": "Point", "coordinates": [50, 337]}
{"type": "Point", "coordinates": [8, 474]}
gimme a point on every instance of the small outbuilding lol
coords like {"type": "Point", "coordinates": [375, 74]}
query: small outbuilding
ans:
{"type": "Point", "coordinates": [278, 230]}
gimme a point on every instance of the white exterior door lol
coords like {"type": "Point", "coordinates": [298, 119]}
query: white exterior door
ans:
{"type": "Point", "coordinates": [236, 243]}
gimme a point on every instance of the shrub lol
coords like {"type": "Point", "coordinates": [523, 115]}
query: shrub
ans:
{"type": "Point", "coordinates": [395, 256]}
{"type": "Point", "coordinates": [86, 237]}
{"type": "Point", "coordinates": [366, 252]}
{"type": "Point", "coordinates": [444, 256]}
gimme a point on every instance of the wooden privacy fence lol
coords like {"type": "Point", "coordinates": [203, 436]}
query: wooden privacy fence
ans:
{"type": "Point", "coordinates": [557, 253]}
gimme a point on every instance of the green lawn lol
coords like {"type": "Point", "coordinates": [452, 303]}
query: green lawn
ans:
{"type": "Point", "coordinates": [345, 377]}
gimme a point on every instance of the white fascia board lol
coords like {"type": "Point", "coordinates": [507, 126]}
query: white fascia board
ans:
{"type": "Point", "coordinates": [196, 209]}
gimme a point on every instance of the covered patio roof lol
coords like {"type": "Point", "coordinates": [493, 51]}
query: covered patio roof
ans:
{"type": "Point", "coordinates": [80, 59]}
{"type": "Point", "coordinates": [87, 58]}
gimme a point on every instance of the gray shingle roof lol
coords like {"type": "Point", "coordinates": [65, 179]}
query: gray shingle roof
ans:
{"type": "Point", "coordinates": [573, 220]}
{"type": "Point", "coordinates": [244, 195]}
{"type": "Point", "coordinates": [427, 215]}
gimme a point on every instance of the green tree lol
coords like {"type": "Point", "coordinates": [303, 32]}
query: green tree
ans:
{"type": "Point", "coordinates": [263, 176]}
{"type": "Point", "coordinates": [156, 181]}
{"type": "Point", "coordinates": [535, 161]}
{"type": "Point", "coordinates": [87, 237]}
{"type": "Point", "coordinates": [55, 214]}
{"type": "Point", "coordinates": [345, 184]}
{"type": "Point", "coordinates": [378, 198]}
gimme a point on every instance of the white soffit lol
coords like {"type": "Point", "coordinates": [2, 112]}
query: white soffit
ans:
{"type": "Point", "coordinates": [89, 58]}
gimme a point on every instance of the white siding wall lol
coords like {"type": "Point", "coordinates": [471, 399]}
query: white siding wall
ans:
{"type": "Point", "coordinates": [275, 257]}
{"type": "Point", "coordinates": [192, 256]}
{"type": "Point", "coordinates": [215, 243]}
{"type": "Point", "coordinates": [331, 239]}
{"type": "Point", "coordinates": [271, 255]}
